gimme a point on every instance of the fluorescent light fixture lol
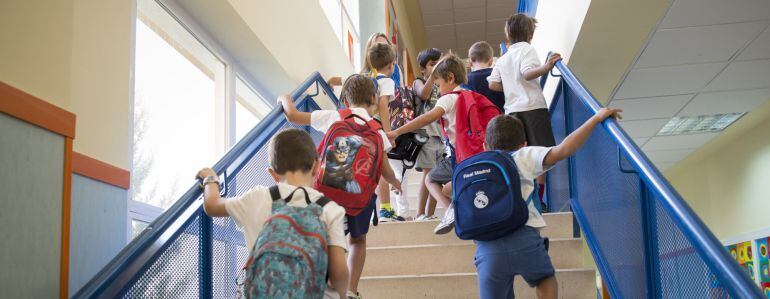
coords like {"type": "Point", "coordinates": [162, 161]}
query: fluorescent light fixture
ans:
{"type": "Point", "coordinates": [682, 125]}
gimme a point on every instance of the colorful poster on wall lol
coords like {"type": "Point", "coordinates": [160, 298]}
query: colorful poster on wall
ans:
{"type": "Point", "coordinates": [763, 260]}
{"type": "Point", "coordinates": [753, 255]}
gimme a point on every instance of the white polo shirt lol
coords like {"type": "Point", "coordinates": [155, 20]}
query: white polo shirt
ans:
{"type": "Point", "coordinates": [520, 95]}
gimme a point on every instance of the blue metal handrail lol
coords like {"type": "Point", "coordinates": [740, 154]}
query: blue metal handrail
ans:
{"type": "Point", "coordinates": [705, 243]}
{"type": "Point", "coordinates": [145, 248]}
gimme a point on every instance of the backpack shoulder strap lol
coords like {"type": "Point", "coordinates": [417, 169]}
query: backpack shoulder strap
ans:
{"type": "Point", "coordinates": [322, 201]}
{"type": "Point", "coordinates": [345, 113]}
{"type": "Point", "coordinates": [274, 193]}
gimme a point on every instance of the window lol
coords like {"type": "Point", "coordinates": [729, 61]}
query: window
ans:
{"type": "Point", "coordinates": [174, 107]}
{"type": "Point", "coordinates": [344, 18]}
{"type": "Point", "coordinates": [250, 108]}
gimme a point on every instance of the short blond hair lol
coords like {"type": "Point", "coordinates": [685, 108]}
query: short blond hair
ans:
{"type": "Point", "coordinates": [451, 64]}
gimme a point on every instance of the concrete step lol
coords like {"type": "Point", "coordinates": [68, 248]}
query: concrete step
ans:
{"type": "Point", "coordinates": [573, 283]}
{"type": "Point", "coordinates": [455, 258]}
{"type": "Point", "coordinates": [421, 233]}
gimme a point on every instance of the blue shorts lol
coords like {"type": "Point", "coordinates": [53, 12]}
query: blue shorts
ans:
{"type": "Point", "coordinates": [498, 261]}
{"type": "Point", "coordinates": [358, 225]}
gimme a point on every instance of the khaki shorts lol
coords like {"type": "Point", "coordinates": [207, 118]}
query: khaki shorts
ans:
{"type": "Point", "coordinates": [430, 153]}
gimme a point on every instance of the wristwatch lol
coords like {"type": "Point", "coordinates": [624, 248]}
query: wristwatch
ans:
{"type": "Point", "coordinates": [210, 179]}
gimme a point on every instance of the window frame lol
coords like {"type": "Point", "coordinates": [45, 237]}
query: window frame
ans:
{"type": "Point", "coordinates": [225, 98]}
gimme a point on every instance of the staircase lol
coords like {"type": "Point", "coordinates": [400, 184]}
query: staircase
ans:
{"type": "Point", "coordinates": [406, 260]}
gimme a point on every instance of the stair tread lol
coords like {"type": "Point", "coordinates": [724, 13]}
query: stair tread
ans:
{"type": "Point", "coordinates": [467, 243]}
{"type": "Point", "coordinates": [568, 270]}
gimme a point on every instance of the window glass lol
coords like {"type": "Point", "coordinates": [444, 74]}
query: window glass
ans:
{"type": "Point", "coordinates": [174, 107]}
{"type": "Point", "coordinates": [250, 108]}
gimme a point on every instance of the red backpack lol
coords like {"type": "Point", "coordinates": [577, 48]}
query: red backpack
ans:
{"type": "Point", "coordinates": [473, 113]}
{"type": "Point", "coordinates": [351, 157]}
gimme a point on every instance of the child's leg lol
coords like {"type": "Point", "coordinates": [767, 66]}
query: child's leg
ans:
{"type": "Point", "coordinates": [423, 195]}
{"type": "Point", "coordinates": [356, 260]}
{"type": "Point", "coordinates": [431, 206]}
{"type": "Point", "coordinates": [436, 191]}
{"type": "Point", "coordinates": [383, 193]}
{"type": "Point", "coordinates": [494, 276]}
{"type": "Point", "coordinates": [548, 288]}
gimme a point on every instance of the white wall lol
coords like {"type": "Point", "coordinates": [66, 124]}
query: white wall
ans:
{"type": "Point", "coordinates": [558, 27]}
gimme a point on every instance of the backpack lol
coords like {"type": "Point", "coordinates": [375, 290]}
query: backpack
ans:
{"type": "Point", "coordinates": [289, 259]}
{"type": "Point", "coordinates": [422, 106]}
{"type": "Point", "coordinates": [401, 107]}
{"type": "Point", "coordinates": [473, 113]}
{"type": "Point", "coordinates": [487, 197]}
{"type": "Point", "coordinates": [351, 162]}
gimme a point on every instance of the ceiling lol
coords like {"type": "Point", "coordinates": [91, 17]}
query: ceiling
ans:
{"type": "Point", "coordinates": [457, 24]}
{"type": "Point", "coordinates": [705, 57]}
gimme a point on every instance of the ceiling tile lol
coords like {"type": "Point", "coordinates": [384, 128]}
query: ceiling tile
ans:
{"type": "Point", "coordinates": [640, 141]}
{"type": "Point", "coordinates": [649, 108]}
{"type": "Point", "coordinates": [684, 13]}
{"type": "Point", "coordinates": [698, 44]}
{"type": "Point", "coordinates": [643, 128]}
{"type": "Point", "coordinates": [670, 80]}
{"type": "Point", "coordinates": [743, 75]}
{"type": "Point", "coordinates": [668, 156]}
{"type": "Point", "coordinates": [500, 11]}
{"type": "Point", "coordinates": [468, 3]}
{"type": "Point", "coordinates": [496, 25]}
{"type": "Point", "coordinates": [678, 142]}
{"type": "Point", "coordinates": [472, 14]}
{"type": "Point", "coordinates": [430, 5]}
{"type": "Point", "coordinates": [495, 39]}
{"type": "Point", "coordinates": [759, 48]}
{"type": "Point", "coordinates": [437, 17]}
{"type": "Point", "coordinates": [469, 33]}
{"type": "Point", "coordinates": [511, 3]}
{"type": "Point", "coordinates": [726, 102]}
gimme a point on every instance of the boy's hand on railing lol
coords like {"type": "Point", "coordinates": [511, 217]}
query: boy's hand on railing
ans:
{"type": "Point", "coordinates": [605, 113]}
{"type": "Point", "coordinates": [205, 172]}
{"type": "Point", "coordinates": [551, 60]}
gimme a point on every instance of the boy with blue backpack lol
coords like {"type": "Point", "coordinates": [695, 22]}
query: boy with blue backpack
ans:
{"type": "Point", "coordinates": [286, 221]}
{"type": "Point", "coordinates": [493, 196]}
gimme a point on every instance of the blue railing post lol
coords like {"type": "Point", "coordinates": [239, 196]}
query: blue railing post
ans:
{"type": "Point", "coordinates": [205, 261]}
{"type": "Point", "coordinates": [650, 229]}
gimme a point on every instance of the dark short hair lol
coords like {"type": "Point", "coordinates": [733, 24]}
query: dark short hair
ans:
{"type": "Point", "coordinates": [520, 28]}
{"type": "Point", "coordinates": [292, 150]}
{"type": "Point", "coordinates": [380, 55]}
{"type": "Point", "coordinates": [359, 90]}
{"type": "Point", "coordinates": [426, 56]}
{"type": "Point", "coordinates": [505, 133]}
{"type": "Point", "coordinates": [451, 64]}
{"type": "Point", "coordinates": [481, 52]}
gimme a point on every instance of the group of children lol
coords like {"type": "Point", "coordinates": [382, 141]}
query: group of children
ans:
{"type": "Point", "coordinates": [523, 131]}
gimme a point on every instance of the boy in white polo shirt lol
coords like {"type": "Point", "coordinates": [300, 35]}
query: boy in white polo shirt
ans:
{"type": "Point", "coordinates": [516, 74]}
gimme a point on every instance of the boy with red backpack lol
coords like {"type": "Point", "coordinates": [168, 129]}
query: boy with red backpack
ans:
{"type": "Point", "coordinates": [353, 158]}
{"type": "Point", "coordinates": [463, 116]}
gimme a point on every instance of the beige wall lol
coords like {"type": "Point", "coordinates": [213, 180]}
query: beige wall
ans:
{"type": "Point", "coordinates": [35, 47]}
{"type": "Point", "coordinates": [727, 181]}
{"type": "Point", "coordinates": [75, 54]}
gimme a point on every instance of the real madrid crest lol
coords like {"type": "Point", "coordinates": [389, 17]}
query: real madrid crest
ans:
{"type": "Point", "coordinates": [481, 200]}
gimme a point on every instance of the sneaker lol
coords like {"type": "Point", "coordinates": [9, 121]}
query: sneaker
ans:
{"type": "Point", "coordinates": [389, 215]}
{"type": "Point", "coordinates": [447, 223]}
{"type": "Point", "coordinates": [425, 218]}
{"type": "Point", "coordinates": [420, 218]}
{"type": "Point", "coordinates": [355, 295]}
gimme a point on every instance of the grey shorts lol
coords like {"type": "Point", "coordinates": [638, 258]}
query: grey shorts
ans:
{"type": "Point", "coordinates": [442, 173]}
{"type": "Point", "coordinates": [430, 153]}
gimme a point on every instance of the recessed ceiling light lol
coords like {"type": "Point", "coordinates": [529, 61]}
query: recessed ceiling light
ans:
{"type": "Point", "coordinates": [682, 125]}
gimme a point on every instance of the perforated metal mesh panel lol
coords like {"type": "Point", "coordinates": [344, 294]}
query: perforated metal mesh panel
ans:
{"type": "Point", "coordinates": [557, 194]}
{"type": "Point", "coordinates": [177, 272]}
{"type": "Point", "coordinates": [618, 216]}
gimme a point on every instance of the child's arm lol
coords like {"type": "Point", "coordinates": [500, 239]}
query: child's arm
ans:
{"type": "Point", "coordinates": [290, 110]}
{"type": "Point", "coordinates": [575, 140]}
{"type": "Point", "coordinates": [389, 175]}
{"type": "Point", "coordinates": [213, 204]}
{"type": "Point", "coordinates": [419, 122]}
{"type": "Point", "coordinates": [427, 88]}
{"type": "Point", "coordinates": [338, 270]}
{"type": "Point", "coordinates": [496, 86]}
{"type": "Point", "coordinates": [536, 72]}
{"type": "Point", "coordinates": [384, 112]}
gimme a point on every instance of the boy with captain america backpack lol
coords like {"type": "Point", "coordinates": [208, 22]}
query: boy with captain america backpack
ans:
{"type": "Point", "coordinates": [489, 192]}
{"type": "Point", "coordinates": [352, 157]}
{"type": "Point", "coordinates": [463, 116]}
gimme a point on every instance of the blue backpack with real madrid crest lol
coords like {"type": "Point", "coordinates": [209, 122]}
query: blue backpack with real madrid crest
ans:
{"type": "Point", "coordinates": [487, 197]}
